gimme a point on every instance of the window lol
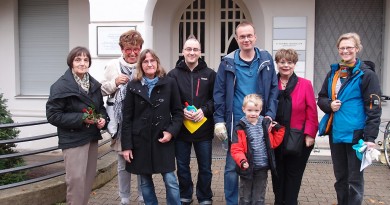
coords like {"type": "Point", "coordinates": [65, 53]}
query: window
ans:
{"type": "Point", "coordinates": [43, 44]}
{"type": "Point", "coordinates": [213, 23]}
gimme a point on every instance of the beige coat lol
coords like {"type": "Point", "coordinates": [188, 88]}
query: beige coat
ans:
{"type": "Point", "coordinates": [109, 88]}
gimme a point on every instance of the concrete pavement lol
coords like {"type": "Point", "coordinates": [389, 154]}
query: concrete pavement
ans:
{"type": "Point", "coordinates": [317, 184]}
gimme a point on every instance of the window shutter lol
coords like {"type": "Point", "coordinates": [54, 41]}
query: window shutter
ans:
{"type": "Point", "coordinates": [43, 44]}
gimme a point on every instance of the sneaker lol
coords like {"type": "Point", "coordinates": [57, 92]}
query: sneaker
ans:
{"type": "Point", "coordinates": [125, 201]}
{"type": "Point", "coordinates": [186, 203]}
{"type": "Point", "coordinates": [141, 200]}
{"type": "Point", "coordinates": [205, 202]}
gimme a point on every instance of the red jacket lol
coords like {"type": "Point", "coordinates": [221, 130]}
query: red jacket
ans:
{"type": "Point", "coordinates": [241, 151]}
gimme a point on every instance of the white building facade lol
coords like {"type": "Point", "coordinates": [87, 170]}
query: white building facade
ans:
{"type": "Point", "coordinates": [36, 36]}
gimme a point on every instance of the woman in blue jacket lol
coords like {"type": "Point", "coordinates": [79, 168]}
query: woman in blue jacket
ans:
{"type": "Point", "coordinates": [350, 98]}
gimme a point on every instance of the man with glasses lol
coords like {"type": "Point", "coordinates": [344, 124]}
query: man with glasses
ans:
{"type": "Point", "coordinates": [195, 81]}
{"type": "Point", "coordinates": [116, 75]}
{"type": "Point", "coordinates": [245, 71]}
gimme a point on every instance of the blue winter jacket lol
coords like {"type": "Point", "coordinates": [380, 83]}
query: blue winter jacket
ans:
{"type": "Point", "coordinates": [360, 111]}
{"type": "Point", "coordinates": [225, 83]}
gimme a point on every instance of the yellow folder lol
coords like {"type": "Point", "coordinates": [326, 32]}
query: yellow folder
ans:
{"type": "Point", "coordinates": [193, 126]}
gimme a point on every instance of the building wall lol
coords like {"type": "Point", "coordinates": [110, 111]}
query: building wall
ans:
{"type": "Point", "coordinates": [127, 13]}
{"type": "Point", "coordinates": [386, 63]}
{"type": "Point", "coordinates": [155, 21]}
{"type": "Point", "coordinates": [284, 8]}
{"type": "Point", "coordinates": [386, 51]}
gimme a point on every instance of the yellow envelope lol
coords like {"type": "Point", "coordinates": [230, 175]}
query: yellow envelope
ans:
{"type": "Point", "coordinates": [193, 126]}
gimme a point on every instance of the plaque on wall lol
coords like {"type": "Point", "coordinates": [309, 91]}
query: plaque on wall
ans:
{"type": "Point", "coordinates": [108, 39]}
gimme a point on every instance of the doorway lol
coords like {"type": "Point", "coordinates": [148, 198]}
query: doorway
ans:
{"type": "Point", "coordinates": [213, 23]}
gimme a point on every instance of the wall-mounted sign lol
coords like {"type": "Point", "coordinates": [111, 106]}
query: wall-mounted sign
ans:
{"type": "Point", "coordinates": [294, 44]}
{"type": "Point", "coordinates": [108, 39]}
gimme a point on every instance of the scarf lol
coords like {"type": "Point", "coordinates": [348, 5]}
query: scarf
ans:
{"type": "Point", "coordinates": [283, 114]}
{"type": "Point", "coordinates": [83, 83]}
{"type": "Point", "coordinates": [127, 69]}
{"type": "Point", "coordinates": [344, 69]}
{"type": "Point", "coordinates": [150, 83]}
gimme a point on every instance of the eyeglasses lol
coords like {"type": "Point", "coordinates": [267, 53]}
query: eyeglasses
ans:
{"type": "Point", "coordinates": [243, 37]}
{"type": "Point", "coordinates": [146, 62]}
{"type": "Point", "coordinates": [189, 49]}
{"type": "Point", "coordinates": [346, 48]}
{"type": "Point", "coordinates": [286, 62]}
{"type": "Point", "coordinates": [130, 50]}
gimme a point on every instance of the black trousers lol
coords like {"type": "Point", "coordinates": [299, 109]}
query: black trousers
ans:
{"type": "Point", "coordinates": [349, 184]}
{"type": "Point", "coordinates": [290, 172]}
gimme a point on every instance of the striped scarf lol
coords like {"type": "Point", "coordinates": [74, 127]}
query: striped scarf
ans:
{"type": "Point", "coordinates": [344, 67]}
{"type": "Point", "coordinates": [121, 93]}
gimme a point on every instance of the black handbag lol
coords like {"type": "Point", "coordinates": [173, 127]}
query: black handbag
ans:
{"type": "Point", "coordinates": [293, 142]}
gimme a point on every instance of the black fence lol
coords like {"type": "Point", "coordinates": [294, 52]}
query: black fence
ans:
{"type": "Point", "coordinates": [34, 152]}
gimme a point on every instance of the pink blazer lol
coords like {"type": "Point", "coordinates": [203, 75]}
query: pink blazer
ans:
{"type": "Point", "coordinates": [304, 107]}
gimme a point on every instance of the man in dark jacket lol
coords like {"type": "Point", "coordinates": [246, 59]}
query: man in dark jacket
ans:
{"type": "Point", "coordinates": [195, 81]}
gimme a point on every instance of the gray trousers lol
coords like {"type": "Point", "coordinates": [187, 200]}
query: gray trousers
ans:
{"type": "Point", "coordinates": [80, 168]}
{"type": "Point", "coordinates": [252, 191]}
{"type": "Point", "coordinates": [124, 180]}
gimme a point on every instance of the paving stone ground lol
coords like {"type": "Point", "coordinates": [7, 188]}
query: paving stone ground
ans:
{"type": "Point", "coordinates": [317, 184]}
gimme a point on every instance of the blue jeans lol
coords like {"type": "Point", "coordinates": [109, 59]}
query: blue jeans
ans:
{"type": "Point", "coordinates": [230, 180]}
{"type": "Point", "coordinates": [171, 188]}
{"type": "Point", "coordinates": [203, 151]}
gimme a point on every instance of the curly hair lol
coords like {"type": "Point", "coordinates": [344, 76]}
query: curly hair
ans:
{"type": "Point", "coordinates": [132, 38]}
{"type": "Point", "coordinates": [288, 54]}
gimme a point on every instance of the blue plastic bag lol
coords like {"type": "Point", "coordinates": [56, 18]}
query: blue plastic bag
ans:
{"type": "Point", "coordinates": [360, 148]}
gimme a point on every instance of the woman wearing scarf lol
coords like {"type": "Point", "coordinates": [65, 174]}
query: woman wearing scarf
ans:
{"type": "Point", "coordinates": [116, 75]}
{"type": "Point", "coordinates": [350, 99]}
{"type": "Point", "coordinates": [297, 110]}
{"type": "Point", "coordinates": [76, 108]}
{"type": "Point", "coordinates": [152, 117]}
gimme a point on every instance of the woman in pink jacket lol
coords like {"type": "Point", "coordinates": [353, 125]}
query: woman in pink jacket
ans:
{"type": "Point", "coordinates": [297, 111]}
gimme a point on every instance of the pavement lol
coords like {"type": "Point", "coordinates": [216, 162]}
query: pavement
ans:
{"type": "Point", "coordinates": [317, 183]}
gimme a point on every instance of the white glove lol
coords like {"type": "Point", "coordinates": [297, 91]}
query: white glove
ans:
{"type": "Point", "coordinates": [220, 131]}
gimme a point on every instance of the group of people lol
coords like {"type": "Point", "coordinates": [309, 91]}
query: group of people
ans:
{"type": "Point", "coordinates": [150, 112]}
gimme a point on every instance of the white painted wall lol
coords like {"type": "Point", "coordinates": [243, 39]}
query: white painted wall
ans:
{"type": "Point", "coordinates": [113, 13]}
{"type": "Point", "coordinates": [300, 8]}
{"type": "Point", "coordinates": [8, 48]}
